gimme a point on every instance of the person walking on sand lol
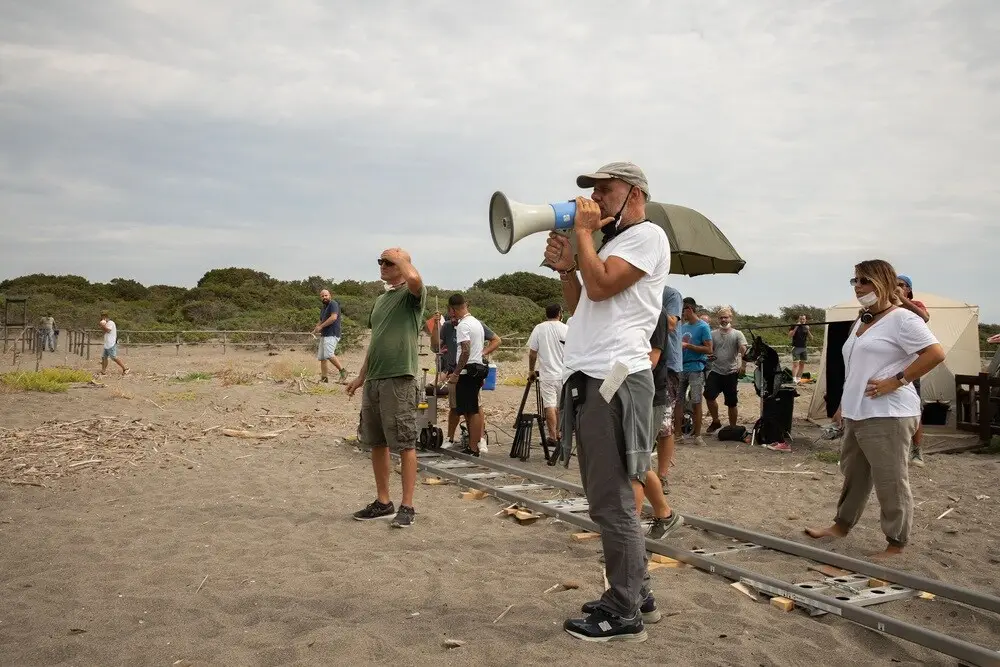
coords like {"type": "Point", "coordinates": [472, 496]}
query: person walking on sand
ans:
{"type": "Point", "coordinates": [389, 377]}
{"type": "Point", "coordinates": [110, 344]}
{"type": "Point", "coordinates": [888, 348]}
{"type": "Point", "coordinates": [329, 331]}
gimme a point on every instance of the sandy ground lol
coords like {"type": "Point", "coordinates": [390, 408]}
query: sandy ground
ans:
{"type": "Point", "coordinates": [142, 534]}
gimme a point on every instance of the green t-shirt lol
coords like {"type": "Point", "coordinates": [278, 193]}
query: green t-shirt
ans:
{"type": "Point", "coordinates": [395, 322]}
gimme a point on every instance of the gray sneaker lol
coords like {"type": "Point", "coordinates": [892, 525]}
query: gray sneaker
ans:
{"type": "Point", "coordinates": [404, 517]}
{"type": "Point", "coordinates": [660, 528]}
{"type": "Point", "coordinates": [916, 458]}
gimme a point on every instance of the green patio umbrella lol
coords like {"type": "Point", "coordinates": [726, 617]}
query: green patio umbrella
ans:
{"type": "Point", "coordinates": [697, 246]}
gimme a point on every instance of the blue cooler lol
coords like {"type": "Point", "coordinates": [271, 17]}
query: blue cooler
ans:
{"type": "Point", "coordinates": [490, 383]}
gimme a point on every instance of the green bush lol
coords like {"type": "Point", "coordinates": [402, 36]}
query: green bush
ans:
{"type": "Point", "coordinates": [245, 299]}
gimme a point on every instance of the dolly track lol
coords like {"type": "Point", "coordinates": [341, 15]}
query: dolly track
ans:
{"type": "Point", "coordinates": [972, 654]}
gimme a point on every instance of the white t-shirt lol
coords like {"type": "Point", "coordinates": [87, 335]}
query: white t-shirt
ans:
{"type": "Point", "coordinates": [618, 329]}
{"type": "Point", "coordinates": [110, 337]}
{"type": "Point", "coordinates": [470, 329]}
{"type": "Point", "coordinates": [547, 339]}
{"type": "Point", "coordinates": [885, 349]}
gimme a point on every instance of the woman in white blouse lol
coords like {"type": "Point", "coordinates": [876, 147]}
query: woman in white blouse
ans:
{"type": "Point", "coordinates": [888, 348]}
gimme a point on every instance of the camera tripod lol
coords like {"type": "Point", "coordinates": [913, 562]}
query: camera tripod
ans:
{"type": "Point", "coordinates": [524, 425]}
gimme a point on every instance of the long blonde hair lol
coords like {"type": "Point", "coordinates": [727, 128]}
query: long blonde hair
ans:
{"type": "Point", "coordinates": [882, 277]}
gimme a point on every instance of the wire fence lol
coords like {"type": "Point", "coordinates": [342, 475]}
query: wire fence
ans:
{"type": "Point", "coordinates": [84, 342]}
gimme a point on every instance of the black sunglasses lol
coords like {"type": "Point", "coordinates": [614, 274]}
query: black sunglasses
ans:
{"type": "Point", "coordinates": [384, 262]}
{"type": "Point", "coordinates": [860, 281]}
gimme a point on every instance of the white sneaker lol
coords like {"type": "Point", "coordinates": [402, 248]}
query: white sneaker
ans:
{"type": "Point", "coordinates": [698, 441]}
{"type": "Point", "coordinates": [482, 446]}
{"type": "Point", "coordinates": [448, 444]}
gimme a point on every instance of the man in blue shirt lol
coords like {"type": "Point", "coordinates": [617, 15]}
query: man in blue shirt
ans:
{"type": "Point", "coordinates": [672, 306]}
{"type": "Point", "coordinates": [329, 330]}
{"type": "Point", "coordinates": [696, 343]}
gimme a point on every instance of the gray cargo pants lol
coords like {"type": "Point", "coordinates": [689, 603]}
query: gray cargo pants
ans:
{"type": "Point", "coordinates": [601, 452]}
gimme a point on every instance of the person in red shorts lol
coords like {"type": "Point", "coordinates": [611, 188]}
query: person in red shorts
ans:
{"type": "Point", "coordinates": [904, 285]}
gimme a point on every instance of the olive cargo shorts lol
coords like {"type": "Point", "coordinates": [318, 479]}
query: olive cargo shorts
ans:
{"type": "Point", "coordinates": [389, 413]}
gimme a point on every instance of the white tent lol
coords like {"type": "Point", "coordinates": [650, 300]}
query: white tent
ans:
{"type": "Point", "coordinates": [956, 326]}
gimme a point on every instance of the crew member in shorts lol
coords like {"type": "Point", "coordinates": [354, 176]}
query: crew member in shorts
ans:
{"type": "Point", "coordinates": [545, 349]}
{"type": "Point", "coordinates": [665, 520]}
{"type": "Point", "coordinates": [389, 377]}
{"type": "Point", "coordinates": [800, 334]}
{"type": "Point", "coordinates": [673, 304]}
{"type": "Point", "coordinates": [728, 347]}
{"type": "Point", "coordinates": [696, 343]}
{"type": "Point", "coordinates": [904, 287]}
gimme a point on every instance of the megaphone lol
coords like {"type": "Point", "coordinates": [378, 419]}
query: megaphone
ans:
{"type": "Point", "coordinates": [511, 221]}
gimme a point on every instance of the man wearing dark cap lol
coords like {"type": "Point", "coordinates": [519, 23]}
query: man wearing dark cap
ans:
{"type": "Point", "coordinates": [607, 395]}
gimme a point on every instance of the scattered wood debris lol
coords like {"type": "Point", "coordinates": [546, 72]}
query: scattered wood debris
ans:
{"type": "Point", "coordinates": [31, 457]}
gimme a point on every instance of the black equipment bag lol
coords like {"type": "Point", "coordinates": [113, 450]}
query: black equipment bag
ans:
{"type": "Point", "coordinates": [733, 433]}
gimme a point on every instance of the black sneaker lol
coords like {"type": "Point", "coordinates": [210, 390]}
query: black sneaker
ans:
{"type": "Point", "coordinates": [324, 379]}
{"type": "Point", "coordinates": [470, 452]}
{"type": "Point", "coordinates": [650, 614]}
{"type": "Point", "coordinates": [663, 527]}
{"type": "Point", "coordinates": [604, 627]}
{"type": "Point", "coordinates": [713, 427]}
{"type": "Point", "coordinates": [375, 510]}
{"type": "Point", "coordinates": [404, 518]}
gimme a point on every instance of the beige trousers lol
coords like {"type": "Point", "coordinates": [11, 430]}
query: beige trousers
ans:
{"type": "Point", "coordinates": [875, 453]}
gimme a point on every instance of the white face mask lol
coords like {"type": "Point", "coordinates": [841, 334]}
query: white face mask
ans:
{"type": "Point", "coordinates": [868, 300]}
{"type": "Point", "coordinates": [727, 325]}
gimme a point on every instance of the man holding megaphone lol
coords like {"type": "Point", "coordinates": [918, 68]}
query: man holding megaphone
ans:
{"type": "Point", "coordinates": [615, 295]}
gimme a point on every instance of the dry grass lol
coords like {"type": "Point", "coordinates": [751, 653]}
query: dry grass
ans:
{"type": "Point", "coordinates": [55, 379]}
{"type": "Point", "coordinates": [178, 396]}
{"type": "Point", "coordinates": [287, 370]}
{"type": "Point", "coordinates": [118, 392]}
{"type": "Point", "coordinates": [236, 376]}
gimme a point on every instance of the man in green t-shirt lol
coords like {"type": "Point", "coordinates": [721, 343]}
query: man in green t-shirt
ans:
{"type": "Point", "coordinates": [389, 377]}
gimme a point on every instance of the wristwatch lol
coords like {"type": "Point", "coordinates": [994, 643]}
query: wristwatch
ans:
{"type": "Point", "coordinates": [901, 376]}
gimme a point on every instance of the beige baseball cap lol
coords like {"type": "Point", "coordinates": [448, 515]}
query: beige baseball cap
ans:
{"type": "Point", "coordinates": [623, 171]}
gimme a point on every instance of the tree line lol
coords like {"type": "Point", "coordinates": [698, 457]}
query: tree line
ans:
{"type": "Point", "coordinates": [242, 298]}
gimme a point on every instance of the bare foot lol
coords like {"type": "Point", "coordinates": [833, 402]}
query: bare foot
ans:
{"type": "Point", "coordinates": [833, 531]}
{"type": "Point", "coordinates": [889, 552]}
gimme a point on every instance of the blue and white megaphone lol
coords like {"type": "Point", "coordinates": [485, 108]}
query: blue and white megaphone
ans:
{"type": "Point", "coordinates": [511, 221]}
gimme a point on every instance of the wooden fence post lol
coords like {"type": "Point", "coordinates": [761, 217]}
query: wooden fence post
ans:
{"type": "Point", "coordinates": [88, 346]}
{"type": "Point", "coordinates": [178, 343]}
{"type": "Point", "coordinates": [224, 342]}
{"type": "Point", "coordinates": [985, 414]}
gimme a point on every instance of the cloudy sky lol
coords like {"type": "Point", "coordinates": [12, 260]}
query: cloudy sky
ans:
{"type": "Point", "coordinates": [157, 139]}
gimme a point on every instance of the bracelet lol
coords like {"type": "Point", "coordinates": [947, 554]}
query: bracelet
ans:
{"type": "Point", "coordinates": [568, 271]}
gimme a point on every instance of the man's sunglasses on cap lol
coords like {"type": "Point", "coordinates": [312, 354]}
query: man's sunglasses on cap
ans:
{"type": "Point", "coordinates": [384, 262]}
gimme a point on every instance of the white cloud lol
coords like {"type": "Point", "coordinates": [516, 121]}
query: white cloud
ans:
{"type": "Point", "coordinates": [815, 135]}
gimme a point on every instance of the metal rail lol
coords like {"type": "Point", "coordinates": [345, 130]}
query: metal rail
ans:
{"type": "Point", "coordinates": [940, 588]}
{"type": "Point", "coordinates": [952, 646]}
